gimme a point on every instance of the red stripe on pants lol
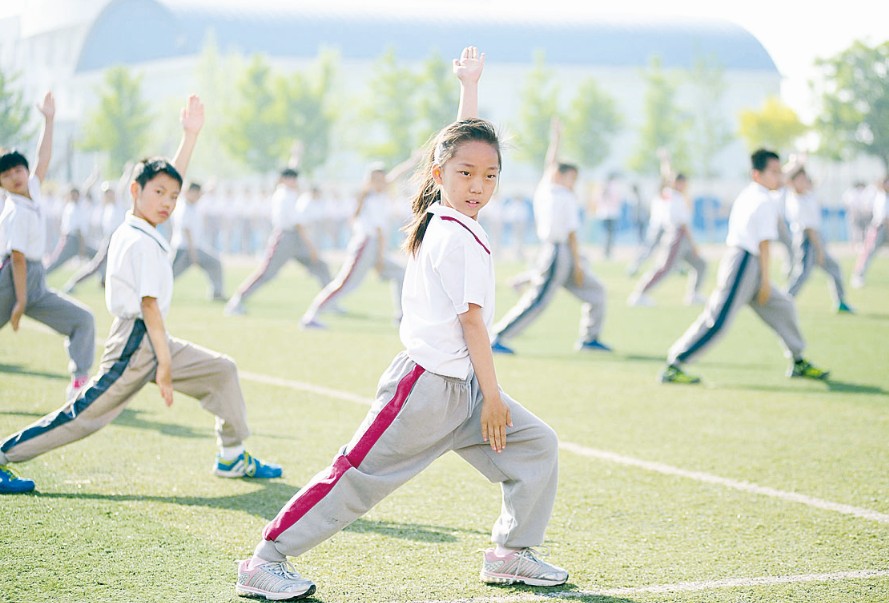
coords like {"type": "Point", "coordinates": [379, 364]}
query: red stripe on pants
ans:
{"type": "Point", "coordinates": [304, 501]}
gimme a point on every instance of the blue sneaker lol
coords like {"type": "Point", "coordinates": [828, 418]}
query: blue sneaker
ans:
{"type": "Point", "coordinates": [844, 308]}
{"type": "Point", "coordinates": [246, 465]}
{"type": "Point", "coordinates": [593, 345]}
{"type": "Point", "coordinates": [499, 348]}
{"type": "Point", "coordinates": [10, 483]}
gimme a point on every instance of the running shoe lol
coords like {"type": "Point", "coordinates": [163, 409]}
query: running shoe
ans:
{"type": "Point", "coordinates": [499, 348]}
{"type": "Point", "coordinates": [593, 345]}
{"type": "Point", "coordinates": [844, 308]}
{"type": "Point", "coordinates": [11, 483]}
{"type": "Point", "coordinates": [246, 465]}
{"type": "Point", "coordinates": [805, 369]}
{"type": "Point", "coordinates": [523, 566]}
{"type": "Point", "coordinates": [276, 581]}
{"type": "Point", "coordinates": [674, 374]}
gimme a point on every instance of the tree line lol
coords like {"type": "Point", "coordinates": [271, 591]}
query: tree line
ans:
{"type": "Point", "coordinates": [262, 111]}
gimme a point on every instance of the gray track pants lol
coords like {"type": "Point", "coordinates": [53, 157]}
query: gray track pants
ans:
{"type": "Point", "coordinates": [805, 259]}
{"type": "Point", "coordinates": [416, 418]}
{"type": "Point", "coordinates": [209, 263]}
{"type": "Point", "coordinates": [127, 365]}
{"type": "Point", "coordinates": [737, 285]}
{"type": "Point", "coordinates": [555, 269]}
{"type": "Point", "coordinates": [361, 258]}
{"type": "Point", "coordinates": [97, 264]}
{"type": "Point", "coordinates": [282, 247]}
{"type": "Point", "coordinates": [65, 315]}
{"type": "Point", "coordinates": [678, 249]}
{"type": "Point", "coordinates": [68, 247]}
{"type": "Point", "coordinates": [873, 240]}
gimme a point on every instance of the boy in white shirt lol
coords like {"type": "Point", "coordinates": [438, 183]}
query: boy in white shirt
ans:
{"type": "Point", "coordinates": [557, 217]}
{"type": "Point", "coordinates": [289, 240]}
{"type": "Point", "coordinates": [876, 234]}
{"type": "Point", "coordinates": [744, 279]}
{"type": "Point", "coordinates": [810, 248]}
{"type": "Point", "coordinates": [138, 350]}
{"type": "Point", "coordinates": [671, 211]}
{"type": "Point", "coordinates": [74, 229]}
{"type": "Point", "coordinates": [23, 289]}
{"type": "Point", "coordinates": [189, 245]}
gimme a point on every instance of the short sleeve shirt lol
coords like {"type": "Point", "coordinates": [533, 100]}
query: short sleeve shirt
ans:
{"type": "Point", "coordinates": [881, 208]}
{"type": "Point", "coordinates": [138, 266]}
{"type": "Point", "coordinates": [677, 213]}
{"type": "Point", "coordinates": [374, 214]}
{"type": "Point", "coordinates": [556, 212]}
{"type": "Point", "coordinates": [753, 219]}
{"type": "Point", "coordinates": [186, 217]}
{"type": "Point", "coordinates": [452, 269]}
{"type": "Point", "coordinates": [283, 208]}
{"type": "Point", "coordinates": [23, 223]}
{"type": "Point", "coordinates": [803, 211]}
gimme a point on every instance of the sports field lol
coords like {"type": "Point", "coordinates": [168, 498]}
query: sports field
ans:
{"type": "Point", "coordinates": [750, 487]}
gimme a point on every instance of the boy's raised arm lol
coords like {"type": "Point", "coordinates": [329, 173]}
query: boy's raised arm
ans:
{"type": "Point", "coordinates": [44, 147]}
{"type": "Point", "coordinates": [192, 119]}
{"type": "Point", "coordinates": [468, 69]}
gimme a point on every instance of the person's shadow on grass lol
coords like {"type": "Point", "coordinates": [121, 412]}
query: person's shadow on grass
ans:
{"type": "Point", "coordinates": [265, 503]}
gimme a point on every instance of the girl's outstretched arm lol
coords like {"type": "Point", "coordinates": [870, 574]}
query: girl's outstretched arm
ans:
{"type": "Point", "coordinates": [468, 69]}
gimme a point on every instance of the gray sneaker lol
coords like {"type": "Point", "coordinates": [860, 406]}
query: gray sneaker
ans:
{"type": "Point", "coordinates": [276, 581]}
{"type": "Point", "coordinates": [522, 566]}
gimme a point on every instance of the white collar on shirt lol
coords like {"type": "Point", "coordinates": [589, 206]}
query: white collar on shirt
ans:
{"type": "Point", "coordinates": [439, 209]}
{"type": "Point", "coordinates": [141, 225]}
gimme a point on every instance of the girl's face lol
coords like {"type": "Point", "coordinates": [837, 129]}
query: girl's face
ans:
{"type": "Point", "coordinates": [155, 201]}
{"type": "Point", "coordinates": [469, 177]}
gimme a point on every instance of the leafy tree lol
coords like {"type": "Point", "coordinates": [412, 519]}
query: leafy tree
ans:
{"type": "Point", "coordinates": [302, 106]}
{"type": "Point", "coordinates": [775, 126]}
{"type": "Point", "coordinates": [664, 126]}
{"type": "Point", "coordinates": [854, 97]}
{"type": "Point", "coordinates": [14, 112]}
{"type": "Point", "coordinates": [216, 75]}
{"type": "Point", "coordinates": [709, 133]}
{"type": "Point", "coordinates": [252, 131]}
{"type": "Point", "coordinates": [437, 91]}
{"type": "Point", "coordinates": [592, 120]}
{"type": "Point", "coordinates": [391, 110]}
{"type": "Point", "coordinates": [539, 105]}
{"type": "Point", "coordinates": [119, 125]}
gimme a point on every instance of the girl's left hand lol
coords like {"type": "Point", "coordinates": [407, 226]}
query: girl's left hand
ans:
{"type": "Point", "coordinates": [495, 419]}
{"type": "Point", "coordinates": [469, 67]}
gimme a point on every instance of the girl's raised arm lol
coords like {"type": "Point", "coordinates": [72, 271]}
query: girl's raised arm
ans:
{"type": "Point", "coordinates": [468, 69]}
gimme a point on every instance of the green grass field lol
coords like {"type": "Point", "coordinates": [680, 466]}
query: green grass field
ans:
{"type": "Point", "coordinates": [133, 514]}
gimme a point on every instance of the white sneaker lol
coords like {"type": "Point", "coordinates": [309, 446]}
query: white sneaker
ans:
{"type": "Point", "coordinates": [695, 300]}
{"type": "Point", "coordinates": [522, 566]}
{"type": "Point", "coordinates": [640, 300]}
{"type": "Point", "coordinates": [277, 581]}
{"type": "Point", "coordinates": [856, 281]}
{"type": "Point", "coordinates": [234, 307]}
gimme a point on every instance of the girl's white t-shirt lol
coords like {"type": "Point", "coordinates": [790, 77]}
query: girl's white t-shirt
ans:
{"type": "Point", "coordinates": [452, 269]}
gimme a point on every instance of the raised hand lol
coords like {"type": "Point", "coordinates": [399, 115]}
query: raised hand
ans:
{"type": "Point", "coordinates": [192, 115]}
{"type": "Point", "coordinates": [48, 106]}
{"type": "Point", "coordinates": [469, 67]}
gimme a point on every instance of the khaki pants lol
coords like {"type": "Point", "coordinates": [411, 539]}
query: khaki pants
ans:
{"type": "Point", "coordinates": [129, 363]}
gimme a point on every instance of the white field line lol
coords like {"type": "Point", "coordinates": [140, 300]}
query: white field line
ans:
{"type": "Point", "coordinates": [708, 478]}
{"type": "Point", "coordinates": [620, 459]}
{"type": "Point", "coordinates": [673, 588]}
{"type": "Point", "coordinates": [580, 450]}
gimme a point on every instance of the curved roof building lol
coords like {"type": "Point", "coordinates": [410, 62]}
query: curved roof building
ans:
{"type": "Point", "coordinates": [143, 31]}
